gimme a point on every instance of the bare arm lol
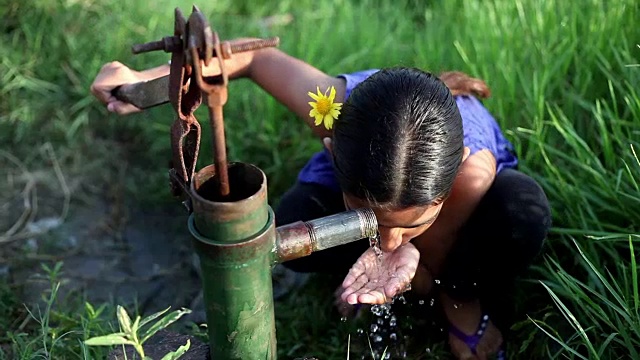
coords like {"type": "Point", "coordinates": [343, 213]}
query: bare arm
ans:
{"type": "Point", "coordinates": [284, 77]}
{"type": "Point", "coordinates": [474, 179]}
{"type": "Point", "coordinates": [289, 80]}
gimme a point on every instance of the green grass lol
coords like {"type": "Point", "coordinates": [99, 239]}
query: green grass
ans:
{"type": "Point", "coordinates": [564, 89]}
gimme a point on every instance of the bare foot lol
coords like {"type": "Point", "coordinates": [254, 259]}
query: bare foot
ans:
{"type": "Point", "coordinates": [376, 280]}
{"type": "Point", "coordinates": [466, 317]}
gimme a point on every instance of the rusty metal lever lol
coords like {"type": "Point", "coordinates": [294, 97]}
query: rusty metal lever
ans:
{"type": "Point", "coordinates": [144, 94]}
{"type": "Point", "coordinates": [147, 94]}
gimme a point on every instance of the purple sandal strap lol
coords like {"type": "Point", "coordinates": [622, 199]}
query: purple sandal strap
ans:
{"type": "Point", "coordinates": [501, 355]}
{"type": "Point", "coordinates": [471, 341]}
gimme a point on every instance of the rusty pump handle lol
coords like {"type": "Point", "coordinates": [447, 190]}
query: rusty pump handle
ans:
{"type": "Point", "coordinates": [151, 93]}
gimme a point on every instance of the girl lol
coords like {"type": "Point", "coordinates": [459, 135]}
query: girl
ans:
{"type": "Point", "coordinates": [456, 218]}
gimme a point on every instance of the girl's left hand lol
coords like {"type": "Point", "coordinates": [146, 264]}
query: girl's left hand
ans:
{"type": "Point", "coordinates": [376, 280]}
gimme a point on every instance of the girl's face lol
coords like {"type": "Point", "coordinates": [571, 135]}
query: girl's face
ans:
{"type": "Point", "coordinates": [398, 227]}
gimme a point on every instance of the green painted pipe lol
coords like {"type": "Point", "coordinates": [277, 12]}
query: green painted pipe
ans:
{"type": "Point", "coordinates": [235, 240]}
{"type": "Point", "coordinates": [237, 243]}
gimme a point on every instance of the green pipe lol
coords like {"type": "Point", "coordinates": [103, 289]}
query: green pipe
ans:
{"type": "Point", "coordinates": [235, 240]}
{"type": "Point", "coordinates": [238, 244]}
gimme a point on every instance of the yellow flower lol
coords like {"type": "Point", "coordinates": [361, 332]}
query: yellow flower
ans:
{"type": "Point", "coordinates": [324, 109]}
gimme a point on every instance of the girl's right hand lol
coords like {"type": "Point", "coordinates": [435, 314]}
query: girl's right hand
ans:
{"type": "Point", "coordinates": [112, 75]}
{"type": "Point", "coordinates": [376, 279]}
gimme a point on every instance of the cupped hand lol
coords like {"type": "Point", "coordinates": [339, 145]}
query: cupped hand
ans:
{"type": "Point", "coordinates": [376, 280]}
{"type": "Point", "coordinates": [112, 75]}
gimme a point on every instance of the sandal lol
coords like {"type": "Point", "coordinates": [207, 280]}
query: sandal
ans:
{"type": "Point", "coordinates": [472, 341]}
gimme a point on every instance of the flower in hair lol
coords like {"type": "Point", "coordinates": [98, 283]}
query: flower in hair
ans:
{"type": "Point", "coordinates": [323, 109]}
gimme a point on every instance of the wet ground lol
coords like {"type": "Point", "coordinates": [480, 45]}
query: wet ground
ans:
{"type": "Point", "coordinates": [137, 257]}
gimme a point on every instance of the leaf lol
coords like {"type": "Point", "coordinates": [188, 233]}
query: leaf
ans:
{"type": "Point", "coordinates": [90, 310]}
{"type": "Point", "coordinates": [136, 325]}
{"type": "Point", "coordinates": [152, 317]}
{"type": "Point", "coordinates": [109, 340]}
{"type": "Point", "coordinates": [557, 340]}
{"type": "Point", "coordinates": [634, 277]}
{"type": "Point", "coordinates": [124, 319]}
{"type": "Point", "coordinates": [163, 323]}
{"type": "Point", "coordinates": [179, 352]}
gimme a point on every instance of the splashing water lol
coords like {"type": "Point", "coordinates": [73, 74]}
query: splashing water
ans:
{"type": "Point", "coordinates": [374, 242]}
{"type": "Point", "coordinates": [384, 340]}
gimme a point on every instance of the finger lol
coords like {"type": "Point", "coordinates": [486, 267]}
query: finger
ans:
{"type": "Point", "coordinates": [102, 93]}
{"type": "Point", "coordinates": [359, 267]}
{"type": "Point", "coordinates": [354, 273]}
{"type": "Point", "coordinates": [352, 298]}
{"type": "Point", "coordinates": [372, 297]}
{"type": "Point", "coordinates": [357, 285]}
{"type": "Point", "coordinates": [350, 279]}
{"type": "Point", "coordinates": [121, 108]}
{"type": "Point", "coordinates": [111, 65]}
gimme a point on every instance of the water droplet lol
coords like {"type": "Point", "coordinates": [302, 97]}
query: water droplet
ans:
{"type": "Point", "coordinates": [401, 299]}
{"type": "Point", "coordinates": [428, 350]}
{"type": "Point", "coordinates": [436, 281]}
{"type": "Point", "coordinates": [432, 302]}
{"type": "Point", "coordinates": [374, 328]}
{"type": "Point", "coordinates": [475, 284]}
{"type": "Point", "coordinates": [377, 338]}
{"type": "Point", "coordinates": [343, 319]}
{"type": "Point", "coordinates": [393, 321]}
{"type": "Point", "coordinates": [421, 302]}
{"type": "Point", "coordinates": [455, 306]}
{"type": "Point", "coordinates": [393, 337]}
{"type": "Point", "coordinates": [360, 331]}
{"type": "Point", "coordinates": [387, 355]}
{"type": "Point", "coordinates": [380, 321]}
{"type": "Point", "coordinates": [453, 286]}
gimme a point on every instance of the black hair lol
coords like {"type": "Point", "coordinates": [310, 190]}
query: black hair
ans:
{"type": "Point", "coordinates": [399, 140]}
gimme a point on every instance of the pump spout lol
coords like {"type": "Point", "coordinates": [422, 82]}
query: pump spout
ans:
{"type": "Point", "coordinates": [302, 238]}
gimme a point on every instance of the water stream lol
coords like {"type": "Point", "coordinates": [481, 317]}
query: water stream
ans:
{"type": "Point", "coordinates": [385, 332]}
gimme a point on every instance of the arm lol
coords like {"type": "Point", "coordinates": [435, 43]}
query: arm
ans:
{"type": "Point", "coordinates": [284, 77]}
{"type": "Point", "coordinates": [474, 179]}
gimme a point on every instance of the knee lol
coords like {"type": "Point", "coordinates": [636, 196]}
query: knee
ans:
{"type": "Point", "coordinates": [529, 215]}
{"type": "Point", "coordinates": [533, 223]}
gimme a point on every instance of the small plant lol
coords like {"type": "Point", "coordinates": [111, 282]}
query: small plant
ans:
{"type": "Point", "coordinates": [133, 334]}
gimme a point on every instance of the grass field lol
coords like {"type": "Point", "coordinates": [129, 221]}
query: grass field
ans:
{"type": "Point", "coordinates": [566, 89]}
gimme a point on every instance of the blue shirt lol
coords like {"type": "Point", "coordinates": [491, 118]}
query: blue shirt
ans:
{"type": "Point", "coordinates": [481, 131]}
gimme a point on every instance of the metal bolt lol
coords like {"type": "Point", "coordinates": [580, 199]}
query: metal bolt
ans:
{"type": "Point", "coordinates": [167, 43]}
{"type": "Point", "coordinates": [174, 43]}
{"type": "Point", "coordinates": [230, 48]}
